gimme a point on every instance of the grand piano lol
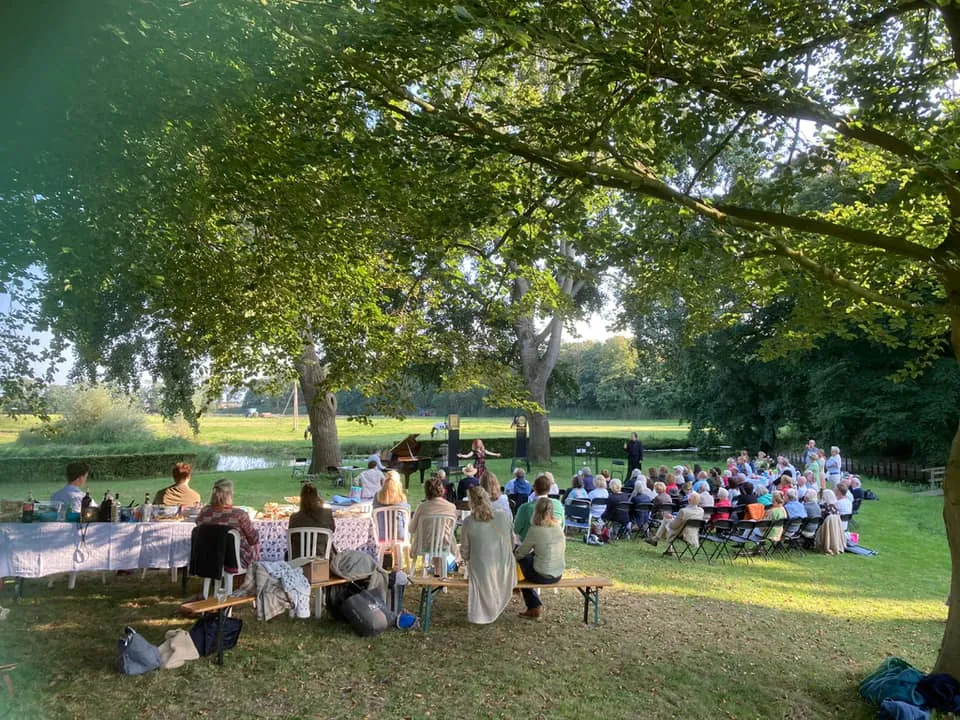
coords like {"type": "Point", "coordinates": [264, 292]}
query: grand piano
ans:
{"type": "Point", "coordinates": [405, 458]}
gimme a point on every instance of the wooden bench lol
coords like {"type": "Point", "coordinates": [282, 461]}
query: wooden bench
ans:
{"type": "Point", "coordinates": [222, 607]}
{"type": "Point", "coordinates": [589, 588]}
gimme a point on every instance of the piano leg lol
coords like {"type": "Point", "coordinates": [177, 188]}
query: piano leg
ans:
{"type": "Point", "coordinates": [421, 474]}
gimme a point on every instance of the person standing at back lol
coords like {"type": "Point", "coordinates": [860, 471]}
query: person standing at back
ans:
{"type": "Point", "coordinates": [180, 493]}
{"type": "Point", "coordinates": [634, 450]}
{"type": "Point", "coordinates": [370, 481]}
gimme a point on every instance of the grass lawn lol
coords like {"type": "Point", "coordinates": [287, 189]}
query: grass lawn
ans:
{"type": "Point", "coordinates": [778, 638]}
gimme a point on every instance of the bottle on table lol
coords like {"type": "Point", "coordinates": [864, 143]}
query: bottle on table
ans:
{"type": "Point", "coordinates": [115, 509]}
{"type": "Point", "coordinates": [106, 508]}
{"type": "Point", "coordinates": [85, 504]}
{"type": "Point", "coordinates": [146, 510]}
{"type": "Point", "coordinates": [28, 506]}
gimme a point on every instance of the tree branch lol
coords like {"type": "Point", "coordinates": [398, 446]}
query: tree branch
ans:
{"type": "Point", "coordinates": [721, 146]}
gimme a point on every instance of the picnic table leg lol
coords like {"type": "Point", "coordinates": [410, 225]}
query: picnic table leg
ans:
{"type": "Point", "coordinates": [220, 618]}
{"type": "Point", "coordinates": [18, 589]}
{"type": "Point", "coordinates": [596, 606]}
{"type": "Point", "coordinates": [426, 618]}
{"type": "Point", "coordinates": [586, 603]}
{"type": "Point", "coordinates": [183, 581]}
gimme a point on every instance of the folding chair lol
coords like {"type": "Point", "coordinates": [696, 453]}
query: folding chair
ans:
{"type": "Point", "coordinates": [846, 519]}
{"type": "Point", "coordinates": [640, 518]}
{"type": "Point", "coordinates": [808, 532]}
{"type": "Point", "coordinates": [687, 549]}
{"type": "Point", "coordinates": [741, 540]}
{"type": "Point", "coordinates": [718, 534]}
{"type": "Point", "coordinates": [335, 475]}
{"type": "Point", "coordinates": [620, 523]}
{"type": "Point", "coordinates": [516, 500]}
{"type": "Point", "coordinates": [656, 517]}
{"type": "Point", "coordinates": [577, 516]}
{"type": "Point", "coordinates": [791, 537]}
{"type": "Point", "coordinates": [298, 468]}
{"type": "Point", "coordinates": [768, 545]}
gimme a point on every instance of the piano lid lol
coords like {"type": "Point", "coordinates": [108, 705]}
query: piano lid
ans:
{"type": "Point", "coordinates": [408, 447]}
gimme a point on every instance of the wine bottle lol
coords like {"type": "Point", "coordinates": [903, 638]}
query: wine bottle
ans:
{"type": "Point", "coordinates": [28, 509]}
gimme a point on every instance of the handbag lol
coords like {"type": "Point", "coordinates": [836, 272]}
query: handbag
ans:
{"type": "Point", "coordinates": [204, 634]}
{"type": "Point", "coordinates": [136, 656]}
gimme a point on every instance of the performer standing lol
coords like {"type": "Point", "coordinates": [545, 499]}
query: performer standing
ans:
{"type": "Point", "coordinates": [479, 455]}
{"type": "Point", "coordinates": [634, 450]}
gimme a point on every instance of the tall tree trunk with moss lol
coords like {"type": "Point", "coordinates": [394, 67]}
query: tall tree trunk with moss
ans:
{"type": "Point", "coordinates": [322, 407]}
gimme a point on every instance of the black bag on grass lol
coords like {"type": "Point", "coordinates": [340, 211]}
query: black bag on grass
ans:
{"type": "Point", "coordinates": [367, 613]}
{"type": "Point", "coordinates": [204, 634]}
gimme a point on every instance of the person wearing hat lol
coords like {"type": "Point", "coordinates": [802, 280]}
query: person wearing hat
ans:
{"type": "Point", "coordinates": [469, 480]}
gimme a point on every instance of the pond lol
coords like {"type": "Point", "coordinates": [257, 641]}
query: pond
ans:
{"type": "Point", "coordinates": [239, 463]}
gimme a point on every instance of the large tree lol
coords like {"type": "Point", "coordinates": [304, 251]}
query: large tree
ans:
{"type": "Point", "coordinates": [690, 105]}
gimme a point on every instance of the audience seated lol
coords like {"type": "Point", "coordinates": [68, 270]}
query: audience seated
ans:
{"type": "Point", "coordinates": [541, 488]}
{"type": "Point", "coordinates": [616, 495]}
{"type": "Point", "coordinates": [391, 494]}
{"type": "Point", "coordinates": [434, 504]}
{"type": "Point", "coordinates": [856, 491]}
{"type": "Point", "coordinates": [674, 525]}
{"type": "Point", "coordinates": [810, 504]}
{"type": "Point", "coordinates": [518, 484]}
{"type": "Point", "coordinates": [844, 503]}
{"type": "Point", "coordinates": [541, 554]}
{"type": "Point", "coordinates": [221, 511]}
{"type": "Point", "coordinates": [486, 542]}
{"type": "Point", "coordinates": [764, 496]}
{"type": "Point", "coordinates": [660, 496]}
{"type": "Point", "coordinates": [588, 481]}
{"type": "Point", "coordinates": [554, 488]}
{"type": "Point", "coordinates": [498, 500]}
{"type": "Point", "coordinates": [312, 514]}
{"type": "Point", "coordinates": [180, 493]}
{"type": "Point", "coordinates": [672, 489]}
{"type": "Point", "coordinates": [599, 492]}
{"type": "Point", "coordinates": [702, 488]}
{"type": "Point", "coordinates": [576, 491]}
{"type": "Point", "coordinates": [370, 481]}
{"type": "Point", "coordinates": [721, 505]}
{"type": "Point", "coordinates": [746, 496]}
{"type": "Point", "coordinates": [830, 538]}
{"type": "Point", "coordinates": [469, 480]}
{"type": "Point", "coordinates": [775, 512]}
{"type": "Point", "coordinates": [793, 506]}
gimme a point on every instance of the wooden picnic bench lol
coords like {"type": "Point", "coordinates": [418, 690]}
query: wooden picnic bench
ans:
{"type": "Point", "coordinates": [222, 607]}
{"type": "Point", "coordinates": [589, 588]}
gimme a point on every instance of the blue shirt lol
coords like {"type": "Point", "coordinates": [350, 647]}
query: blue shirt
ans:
{"type": "Point", "coordinates": [795, 509]}
{"type": "Point", "coordinates": [70, 495]}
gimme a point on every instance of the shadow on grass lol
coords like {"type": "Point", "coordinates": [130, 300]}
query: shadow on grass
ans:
{"type": "Point", "coordinates": [655, 655]}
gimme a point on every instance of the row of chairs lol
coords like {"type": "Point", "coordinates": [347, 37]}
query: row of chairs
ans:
{"type": "Point", "coordinates": [747, 539]}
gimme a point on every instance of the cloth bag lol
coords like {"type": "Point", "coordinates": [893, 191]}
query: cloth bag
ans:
{"type": "Point", "coordinates": [136, 656]}
{"type": "Point", "coordinates": [204, 634]}
{"type": "Point", "coordinates": [176, 649]}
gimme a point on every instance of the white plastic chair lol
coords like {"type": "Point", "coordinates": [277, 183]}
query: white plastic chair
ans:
{"type": "Point", "coordinates": [391, 525]}
{"type": "Point", "coordinates": [436, 533]}
{"type": "Point", "coordinates": [309, 543]}
{"type": "Point", "coordinates": [227, 578]}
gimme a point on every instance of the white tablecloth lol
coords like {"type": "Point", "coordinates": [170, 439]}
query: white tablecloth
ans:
{"type": "Point", "coordinates": [34, 550]}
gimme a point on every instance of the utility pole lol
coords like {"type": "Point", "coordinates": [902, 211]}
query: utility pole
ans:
{"type": "Point", "coordinates": [296, 407]}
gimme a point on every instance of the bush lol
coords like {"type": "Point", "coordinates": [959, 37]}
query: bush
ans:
{"type": "Point", "coordinates": [93, 415]}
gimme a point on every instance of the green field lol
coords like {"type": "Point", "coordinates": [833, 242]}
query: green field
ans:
{"type": "Point", "coordinates": [774, 639]}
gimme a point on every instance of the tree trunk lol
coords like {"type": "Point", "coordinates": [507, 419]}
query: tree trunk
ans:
{"type": "Point", "coordinates": [949, 658]}
{"type": "Point", "coordinates": [322, 407]}
{"type": "Point", "coordinates": [538, 426]}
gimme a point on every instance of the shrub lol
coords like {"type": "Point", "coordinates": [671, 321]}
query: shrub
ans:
{"type": "Point", "coordinates": [93, 415]}
{"type": "Point", "coordinates": [102, 467]}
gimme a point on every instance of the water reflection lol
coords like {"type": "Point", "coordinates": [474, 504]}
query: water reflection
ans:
{"type": "Point", "coordinates": [239, 463]}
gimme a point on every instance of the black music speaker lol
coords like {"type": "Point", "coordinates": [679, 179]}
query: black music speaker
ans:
{"type": "Point", "coordinates": [520, 444]}
{"type": "Point", "coordinates": [453, 440]}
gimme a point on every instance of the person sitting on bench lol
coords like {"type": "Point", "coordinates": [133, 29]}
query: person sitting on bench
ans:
{"type": "Point", "coordinates": [541, 555]}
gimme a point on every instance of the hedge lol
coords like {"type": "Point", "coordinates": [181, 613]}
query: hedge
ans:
{"type": "Point", "coordinates": [102, 467]}
{"type": "Point", "coordinates": [562, 446]}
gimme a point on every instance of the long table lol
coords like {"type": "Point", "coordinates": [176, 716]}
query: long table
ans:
{"type": "Point", "coordinates": [33, 550]}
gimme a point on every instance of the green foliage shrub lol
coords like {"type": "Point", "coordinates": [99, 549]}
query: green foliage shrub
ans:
{"type": "Point", "coordinates": [102, 467]}
{"type": "Point", "coordinates": [92, 415]}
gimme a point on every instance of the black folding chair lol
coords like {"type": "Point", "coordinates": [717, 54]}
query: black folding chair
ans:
{"type": "Point", "coordinates": [808, 533]}
{"type": "Point", "coordinates": [687, 549]}
{"type": "Point", "coordinates": [640, 514]}
{"type": "Point", "coordinates": [718, 534]}
{"type": "Point", "coordinates": [768, 545]}
{"type": "Point", "coordinates": [620, 522]}
{"type": "Point", "coordinates": [577, 515]}
{"type": "Point", "coordinates": [516, 500]}
{"type": "Point", "coordinates": [742, 540]}
{"type": "Point", "coordinates": [854, 525]}
{"type": "Point", "coordinates": [846, 519]}
{"type": "Point", "coordinates": [790, 540]}
{"type": "Point", "coordinates": [656, 517]}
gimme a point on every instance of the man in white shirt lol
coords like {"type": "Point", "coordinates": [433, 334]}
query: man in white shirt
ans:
{"type": "Point", "coordinates": [844, 503]}
{"type": "Point", "coordinates": [370, 481]}
{"type": "Point", "coordinates": [71, 494]}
